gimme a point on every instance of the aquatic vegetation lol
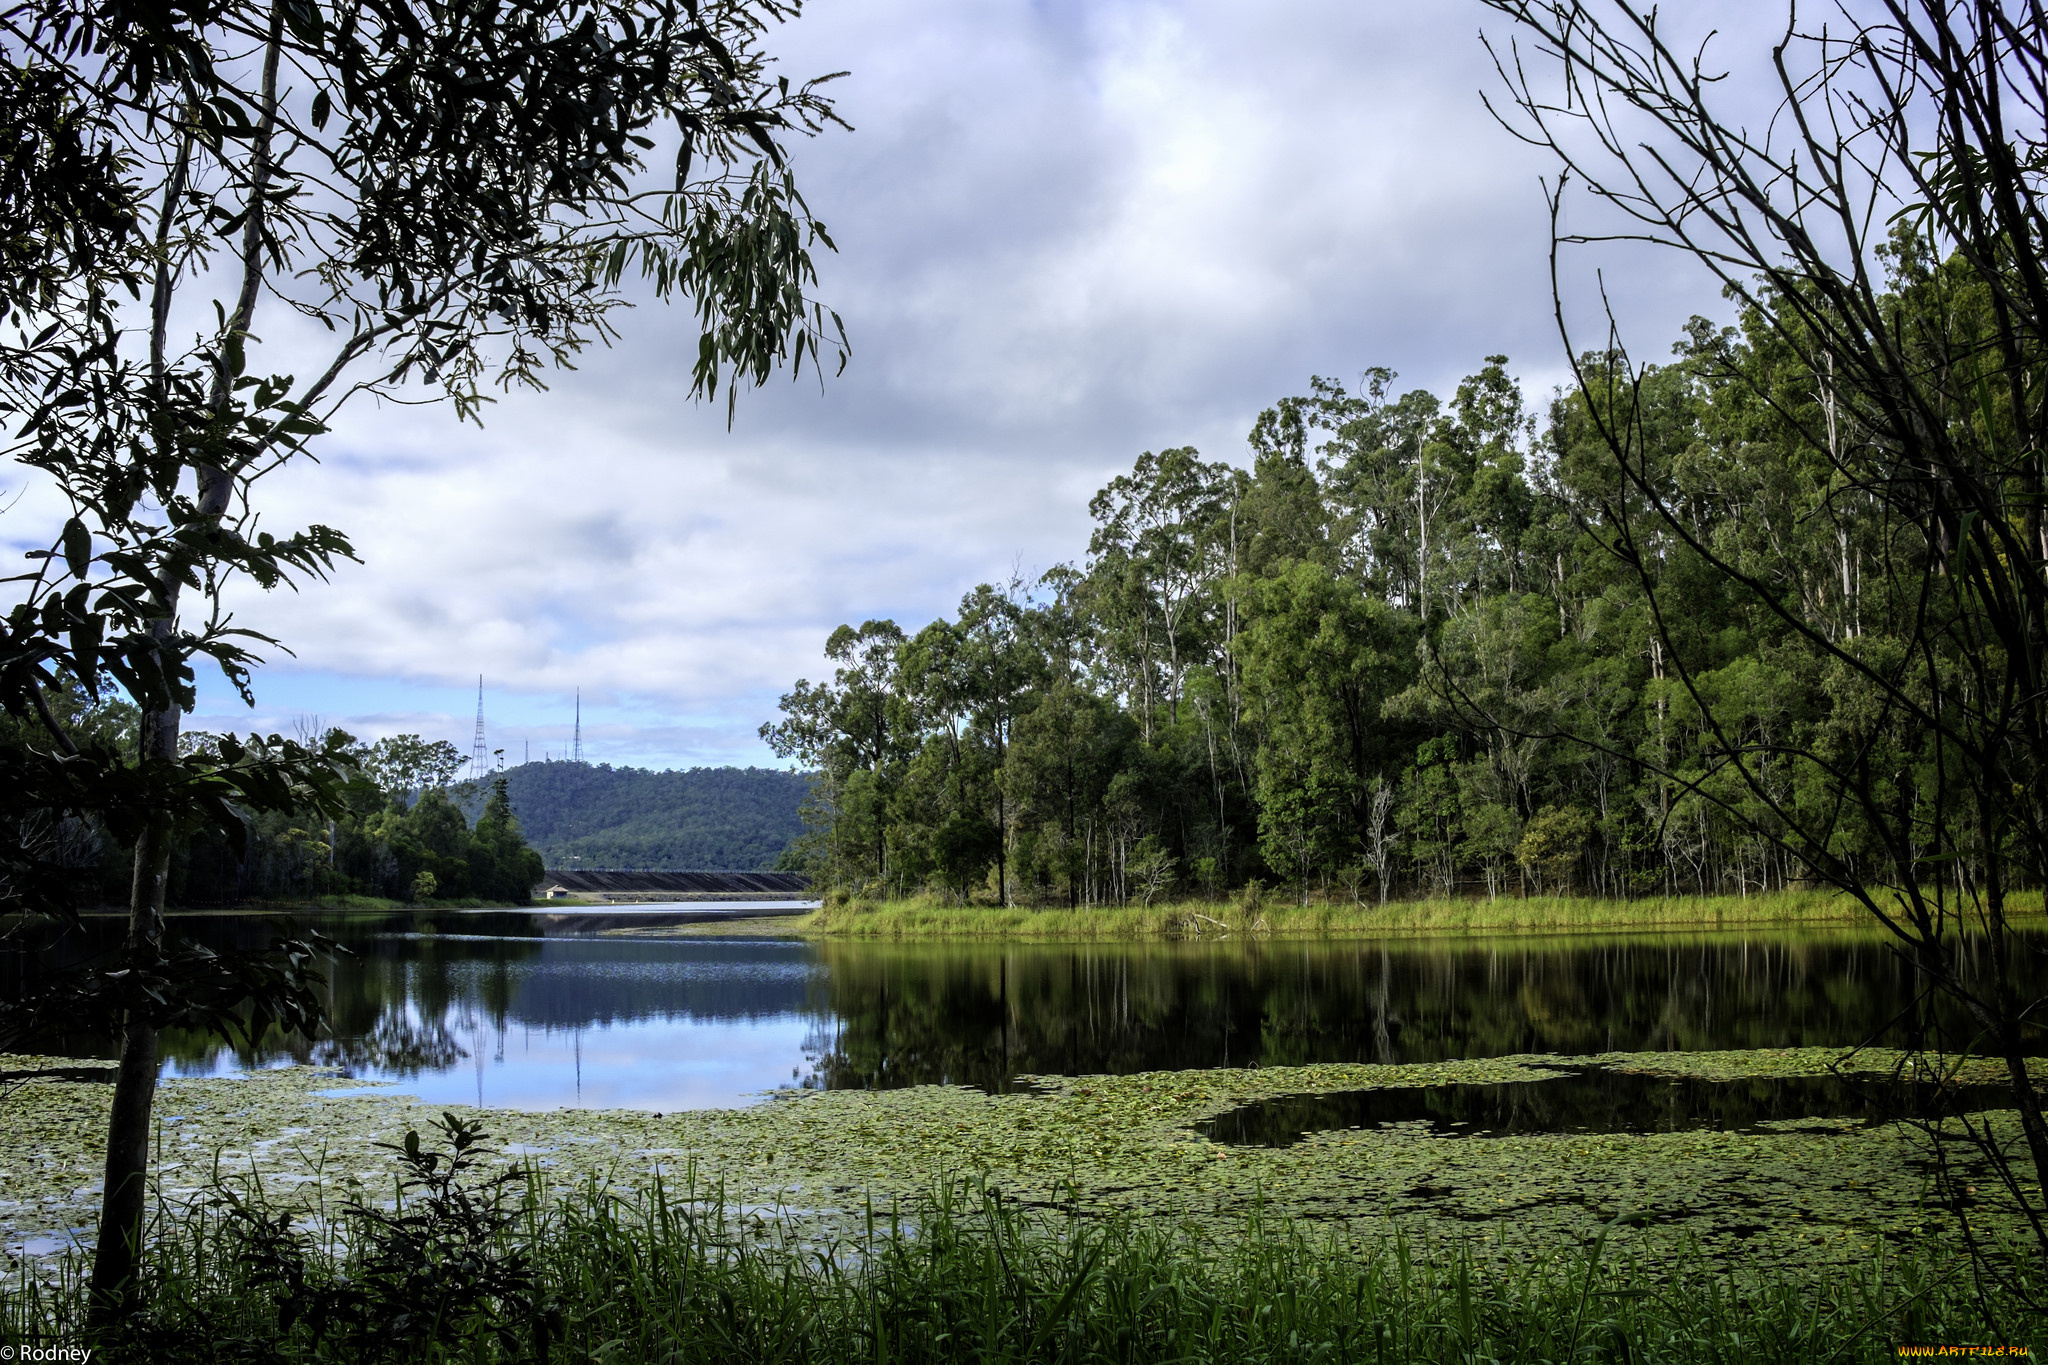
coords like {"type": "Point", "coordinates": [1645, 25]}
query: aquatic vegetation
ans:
{"type": "Point", "coordinates": [1824, 1191]}
{"type": "Point", "coordinates": [667, 1272]}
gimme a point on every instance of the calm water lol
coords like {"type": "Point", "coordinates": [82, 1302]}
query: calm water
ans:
{"type": "Point", "coordinates": [510, 1019]}
{"type": "Point", "coordinates": [1598, 1099]}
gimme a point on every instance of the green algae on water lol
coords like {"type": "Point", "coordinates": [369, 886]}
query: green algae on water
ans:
{"type": "Point", "coordinates": [1799, 1193]}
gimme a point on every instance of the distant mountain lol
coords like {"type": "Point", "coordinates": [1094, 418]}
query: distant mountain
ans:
{"type": "Point", "coordinates": [700, 818]}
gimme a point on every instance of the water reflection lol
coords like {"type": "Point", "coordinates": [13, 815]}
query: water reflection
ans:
{"type": "Point", "coordinates": [536, 1022]}
{"type": "Point", "coordinates": [983, 1015]}
{"type": "Point", "coordinates": [1599, 1100]}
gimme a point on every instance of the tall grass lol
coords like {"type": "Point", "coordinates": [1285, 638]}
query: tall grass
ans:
{"type": "Point", "coordinates": [922, 918]}
{"type": "Point", "coordinates": [650, 1276]}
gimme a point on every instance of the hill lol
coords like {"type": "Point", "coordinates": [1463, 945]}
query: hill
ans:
{"type": "Point", "coordinates": [601, 816]}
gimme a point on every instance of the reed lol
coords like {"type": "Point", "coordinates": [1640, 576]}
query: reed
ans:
{"type": "Point", "coordinates": [1257, 915]}
{"type": "Point", "coordinates": [656, 1275]}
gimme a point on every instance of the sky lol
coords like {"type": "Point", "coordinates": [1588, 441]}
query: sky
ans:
{"type": "Point", "coordinates": [1069, 231]}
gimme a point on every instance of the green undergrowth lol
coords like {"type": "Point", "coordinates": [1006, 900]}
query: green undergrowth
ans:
{"type": "Point", "coordinates": [484, 1273]}
{"type": "Point", "coordinates": [842, 916]}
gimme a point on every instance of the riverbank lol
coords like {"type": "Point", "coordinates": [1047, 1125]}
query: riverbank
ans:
{"type": "Point", "coordinates": [1481, 1187]}
{"type": "Point", "coordinates": [842, 917]}
{"type": "Point", "coordinates": [672, 1273]}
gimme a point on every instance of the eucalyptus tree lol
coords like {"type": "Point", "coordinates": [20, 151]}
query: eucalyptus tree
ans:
{"type": "Point", "coordinates": [1153, 565]}
{"type": "Point", "coordinates": [1321, 659]}
{"type": "Point", "coordinates": [1057, 628]}
{"type": "Point", "coordinates": [1281, 512]}
{"type": "Point", "coordinates": [407, 765]}
{"type": "Point", "coordinates": [999, 673]}
{"type": "Point", "coordinates": [1066, 741]}
{"type": "Point", "coordinates": [1065, 752]}
{"type": "Point", "coordinates": [964, 683]}
{"type": "Point", "coordinates": [945, 816]}
{"type": "Point", "coordinates": [1886, 240]}
{"type": "Point", "coordinates": [1373, 443]}
{"type": "Point", "coordinates": [1490, 428]}
{"type": "Point", "coordinates": [856, 732]}
{"type": "Point", "coordinates": [422, 202]}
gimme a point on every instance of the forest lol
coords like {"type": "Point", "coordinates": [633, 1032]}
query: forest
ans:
{"type": "Point", "coordinates": [408, 831]}
{"type": "Point", "coordinates": [404, 812]}
{"type": "Point", "coordinates": [1426, 644]}
{"type": "Point", "coordinates": [401, 826]}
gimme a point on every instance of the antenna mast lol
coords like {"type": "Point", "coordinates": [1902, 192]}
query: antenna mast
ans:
{"type": "Point", "coordinates": [577, 752]}
{"type": "Point", "coordinates": [479, 757]}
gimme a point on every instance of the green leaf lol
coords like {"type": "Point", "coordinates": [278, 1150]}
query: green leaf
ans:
{"type": "Point", "coordinates": [77, 548]}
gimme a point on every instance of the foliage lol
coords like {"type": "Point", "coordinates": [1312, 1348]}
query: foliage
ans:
{"type": "Point", "coordinates": [1397, 654]}
{"type": "Point", "coordinates": [58, 861]}
{"type": "Point", "coordinates": [430, 1273]}
{"type": "Point", "coordinates": [389, 825]}
{"type": "Point", "coordinates": [456, 203]}
{"type": "Point", "coordinates": [452, 200]}
{"type": "Point", "coordinates": [673, 1273]}
{"type": "Point", "coordinates": [1866, 480]}
{"type": "Point", "coordinates": [406, 765]}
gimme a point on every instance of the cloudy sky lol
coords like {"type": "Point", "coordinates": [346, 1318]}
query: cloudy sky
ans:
{"type": "Point", "coordinates": [1069, 231]}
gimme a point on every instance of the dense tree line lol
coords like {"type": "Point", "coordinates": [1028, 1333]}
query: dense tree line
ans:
{"type": "Point", "coordinates": [403, 827]}
{"type": "Point", "coordinates": [407, 831]}
{"type": "Point", "coordinates": [1401, 654]}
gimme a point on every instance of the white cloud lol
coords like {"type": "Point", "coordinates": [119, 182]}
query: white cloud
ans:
{"type": "Point", "coordinates": [1068, 232]}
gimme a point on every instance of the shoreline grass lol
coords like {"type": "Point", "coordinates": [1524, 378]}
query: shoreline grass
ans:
{"type": "Point", "coordinates": [845, 917]}
{"type": "Point", "coordinates": [660, 1275]}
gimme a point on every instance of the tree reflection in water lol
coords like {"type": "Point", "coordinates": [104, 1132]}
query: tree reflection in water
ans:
{"type": "Point", "coordinates": [844, 1014]}
{"type": "Point", "coordinates": [983, 1015]}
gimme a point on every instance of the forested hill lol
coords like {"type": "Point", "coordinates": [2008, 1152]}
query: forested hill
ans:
{"type": "Point", "coordinates": [713, 818]}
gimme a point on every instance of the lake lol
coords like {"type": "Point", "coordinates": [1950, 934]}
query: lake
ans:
{"type": "Point", "coordinates": [514, 1018]}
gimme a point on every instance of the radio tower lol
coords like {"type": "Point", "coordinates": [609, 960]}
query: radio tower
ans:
{"type": "Point", "coordinates": [576, 754]}
{"type": "Point", "coordinates": [478, 756]}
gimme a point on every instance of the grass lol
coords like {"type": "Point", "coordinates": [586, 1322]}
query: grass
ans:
{"type": "Point", "coordinates": [924, 918]}
{"type": "Point", "coordinates": [621, 1277]}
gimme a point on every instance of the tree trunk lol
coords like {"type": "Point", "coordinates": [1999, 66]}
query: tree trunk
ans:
{"type": "Point", "coordinates": [118, 1256]}
{"type": "Point", "coordinates": [1002, 847]}
{"type": "Point", "coordinates": [125, 1184]}
{"type": "Point", "coordinates": [124, 1191]}
{"type": "Point", "coordinates": [2008, 1012]}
